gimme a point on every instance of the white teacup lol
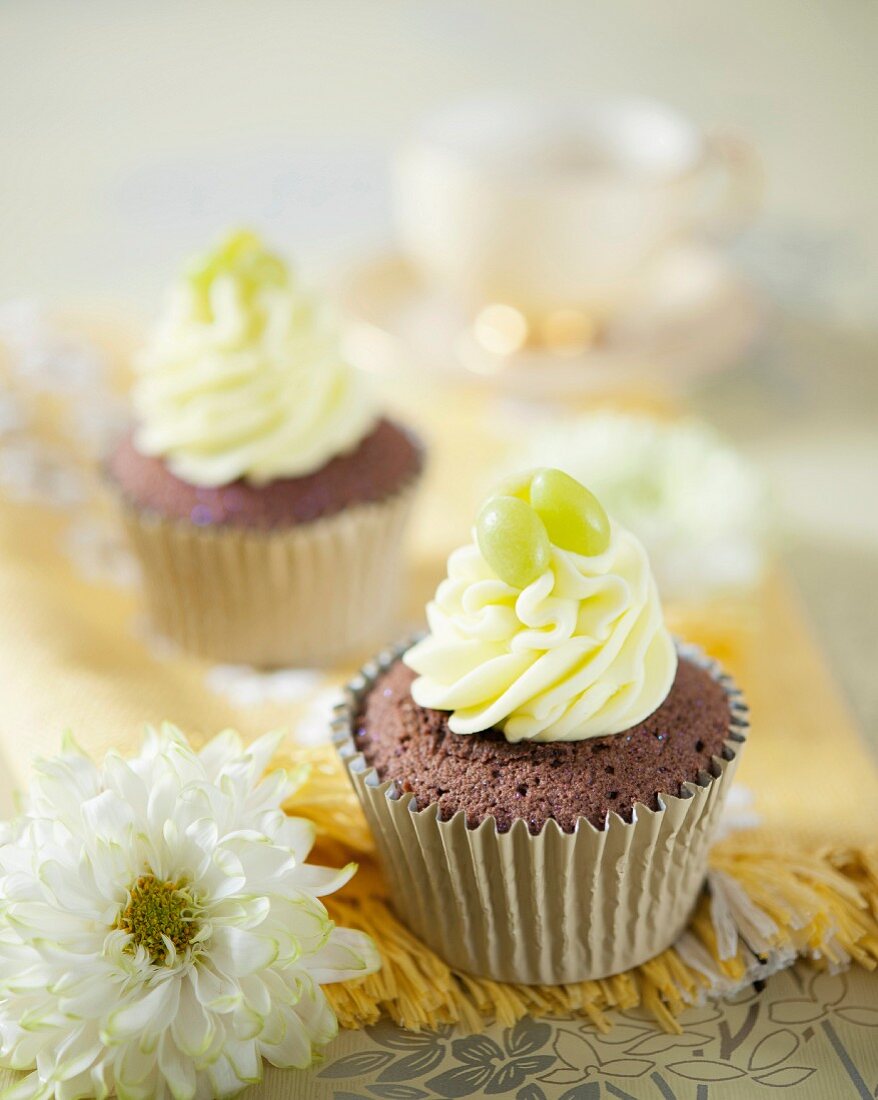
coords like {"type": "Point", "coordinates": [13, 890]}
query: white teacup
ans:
{"type": "Point", "coordinates": [545, 205]}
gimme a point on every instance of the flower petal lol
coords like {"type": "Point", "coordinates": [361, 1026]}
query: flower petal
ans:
{"type": "Point", "coordinates": [178, 1070]}
{"type": "Point", "coordinates": [139, 1014]}
{"type": "Point", "coordinates": [263, 750]}
{"type": "Point", "coordinates": [29, 1088]}
{"type": "Point", "coordinates": [133, 1067]}
{"type": "Point", "coordinates": [346, 954]}
{"type": "Point", "coordinates": [293, 1050]}
{"type": "Point", "coordinates": [216, 992]}
{"type": "Point", "coordinates": [298, 834]}
{"type": "Point", "coordinates": [244, 1059]}
{"type": "Point", "coordinates": [194, 1027]}
{"type": "Point", "coordinates": [219, 751]}
{"type": "Point", "coordinates": [235, 951]}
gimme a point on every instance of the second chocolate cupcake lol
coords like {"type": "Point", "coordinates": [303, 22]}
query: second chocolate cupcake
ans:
{"type": "Point", "coordinates": [263, 493]}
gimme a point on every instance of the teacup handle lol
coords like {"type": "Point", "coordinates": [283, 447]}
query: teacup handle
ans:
{"type": "Point", "coordinates": [734, 198]}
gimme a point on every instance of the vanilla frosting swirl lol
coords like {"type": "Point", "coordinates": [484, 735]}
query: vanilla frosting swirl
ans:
{"type": "Point", "coordinates": [245, 377]}
{"type": "Point", "coordinates": [580, 652]}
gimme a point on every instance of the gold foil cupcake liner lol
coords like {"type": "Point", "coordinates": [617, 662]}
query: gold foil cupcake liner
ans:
{"type": "Point", "coordinates": [552, 908]}
{"type": "Point", "coordinates": [310, 594]}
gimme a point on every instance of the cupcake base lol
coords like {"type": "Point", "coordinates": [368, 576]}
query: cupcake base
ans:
{"type": "Point", "coordinates": [554, 907]}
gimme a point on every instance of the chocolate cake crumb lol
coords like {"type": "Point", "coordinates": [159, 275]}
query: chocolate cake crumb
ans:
{"type": "Point", "coordinates": [485, 775]}
{"type": "Point", "coordinates": [383, 462]}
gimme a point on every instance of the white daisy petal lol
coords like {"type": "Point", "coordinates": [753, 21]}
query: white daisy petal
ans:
{"type": "Point", "coordinates": [87, 1002]}
{"type": "Point", "coordinates": [194, 1028]}
{"type": "Point", "coordinates": [106, 815]}
{"type": "Point", "coordinates": [138, 1015]}
{"type": "Point", "coordinates": [320, 881]}
{"type": "Point", "coordinates": [224, 1081]}
{"type": "Point", "coordinates": [73, 1055]}
{"type": "Point", "coordinates": [214, 991]}
{"type": "Point", "coordinates": [245, 1023]}
{"type": "Point", "coordinates": [238, 952]}
{"type": "Point", "coordinates": [162, 802]}
{"type": "Point", "coordinates": [217, 752]}
{"type": "Point", "coordinates": [297, 834]}
{"type": "Point", "coordinates": [262, 751]}
{"type": "Point", "coordinates": [263, 864]}
{"type": "Point", "coordinates": [256, 994]}
{"type": "Point", "coordinates": [315, 1015]}
{"type": "Point", "coordinates": [70, 887]}
{"type": "Point", "coordinates": [292, 1049]}
{"type": "Point", "coordinates": [244, 1059]}
{"type": "Point", "coordinates": [346, 954]}
{"type": "Point", "coordinates": [29, 1088]}
{"type": "Point", "coordinates": [177, 1069]}
{"type": "Point", "coordinates": [133, 1068]}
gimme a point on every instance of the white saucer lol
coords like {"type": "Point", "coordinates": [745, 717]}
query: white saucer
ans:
{"type": "Point", "coordinates": [692, 317]}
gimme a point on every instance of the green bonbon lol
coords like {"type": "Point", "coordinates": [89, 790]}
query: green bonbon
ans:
{"type": "Point", "coordinates": [242, 255]}
{"type": "Point", "coordinates": [573, 517]}
{"type": "Point", "coordinates": [513, 540]}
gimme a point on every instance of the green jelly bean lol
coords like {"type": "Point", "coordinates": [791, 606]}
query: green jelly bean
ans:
{"type": "Point", "coordinates": [574, 518]}
{"type": "Point", "coordinates": [513, 540]}
{"type": "Point", "coordinates": [242, 255]}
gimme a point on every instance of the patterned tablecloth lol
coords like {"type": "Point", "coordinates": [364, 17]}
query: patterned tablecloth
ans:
{"type": "Point", "coordinates": [75, 652]}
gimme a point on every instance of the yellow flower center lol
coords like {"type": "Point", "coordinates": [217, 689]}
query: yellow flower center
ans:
{"type": "Point", "coordinates": [159, 911]}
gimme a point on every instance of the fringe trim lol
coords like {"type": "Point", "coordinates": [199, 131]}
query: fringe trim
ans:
{"type": "Point", "coordinates": [767, 902]}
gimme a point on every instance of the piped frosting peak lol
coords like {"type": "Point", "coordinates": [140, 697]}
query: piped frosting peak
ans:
{"type": "Point", "coordinates": [245, 376]}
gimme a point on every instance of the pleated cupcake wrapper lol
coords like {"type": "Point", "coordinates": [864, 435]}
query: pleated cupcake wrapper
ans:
{"type": "Point", "coordinates": [553, 908]}
{"type": "Point", "coordinates": [305, 595]}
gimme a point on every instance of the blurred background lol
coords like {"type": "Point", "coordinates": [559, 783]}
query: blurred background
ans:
{"type": "Point", "coordinates": [134, 133]}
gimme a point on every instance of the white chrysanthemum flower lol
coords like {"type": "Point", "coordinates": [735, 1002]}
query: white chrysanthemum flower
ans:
{"type": "Point", "coordinates": [700, 509]}
{"type": "Point", "coordinates": [160, 930]}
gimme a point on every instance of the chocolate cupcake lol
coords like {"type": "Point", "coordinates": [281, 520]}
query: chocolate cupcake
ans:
{"type": "Point", "coordinates": [263, 492]}
{"type": "Point", "coordinates": [545, 767]}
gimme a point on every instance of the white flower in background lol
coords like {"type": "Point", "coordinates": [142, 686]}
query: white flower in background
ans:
{"type": "Point", "coordinates": [698, 507]}
{"type": "Point", "coordinates": [160, 931]}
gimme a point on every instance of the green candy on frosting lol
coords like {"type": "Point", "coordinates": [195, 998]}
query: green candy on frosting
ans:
{"type": "Point", "coordinates": [574, 518]}
{"type": "Point", "coordinates": [531, 511]}
{"type": "Point", "coordinates": [241, 256]}
{"type": "Point", "coordinates": [513, 539]}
